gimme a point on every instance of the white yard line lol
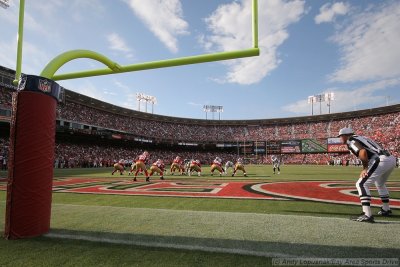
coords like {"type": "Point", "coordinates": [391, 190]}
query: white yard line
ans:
{"type": "Point", "coordinates": [170, 245]}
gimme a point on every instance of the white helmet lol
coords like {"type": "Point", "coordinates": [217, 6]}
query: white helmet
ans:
{"type": "Point", "coordinates": [345, 131]}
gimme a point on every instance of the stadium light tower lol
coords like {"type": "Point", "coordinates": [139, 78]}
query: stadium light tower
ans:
{"type": "Point", "coordinates": [320, 99]}
{"type": "Point", "coordinates": [213, 110]}
{"type": "Point", "coordinates": [5, 3]}
{"type": "Point", "coordinates": [140, 97]}
{"type": "Point", "coordinates": [328, 98]}
{"type": "Point", "coordinates": [312, 100]}
{"type": "Point", "coordinates": [316, 99]}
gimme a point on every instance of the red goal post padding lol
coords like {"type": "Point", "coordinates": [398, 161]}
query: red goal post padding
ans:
{"type": "Point", "coordinates": [32, 141]}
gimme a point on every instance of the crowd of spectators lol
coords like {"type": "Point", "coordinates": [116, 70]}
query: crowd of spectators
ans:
{"type": "Point", "coordinates": [4, 145]}
{"type": "Point", "coordinates": [5, 98]}
{"type": "Point", "coordinates": [73, 155]}
{"type": "Point", "coordinates": [385, 129]}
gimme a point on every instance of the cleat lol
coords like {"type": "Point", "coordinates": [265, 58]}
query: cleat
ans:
{"type": "Point", "coordinates": [148, 179]}
{"type": "Point", "coordinates": [134, 179]}
{"type": "Point", "coordinates": [233, 175]}
{"type": "Point", "coordinates": [162, 178]}
{"type": "Point", "coordinates": [385, 213]}
{"type": "Point", "coordinates": [279, 172]}
{"type": "Point", "coordinates": [245, 175]}
{"type": "Point", "coordinates": [364, 218]}
{"type": "Point", "coordinates": [355, 217]}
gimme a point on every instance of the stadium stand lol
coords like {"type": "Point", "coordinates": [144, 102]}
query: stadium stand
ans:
{"type": "Point", "coordinates": [82, 115]}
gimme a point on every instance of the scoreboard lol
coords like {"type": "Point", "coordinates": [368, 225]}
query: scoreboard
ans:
{"type": "Point", "coordinates": [274, 147]}
{"type": "Point", "coordinates": [246, 148]}
{"type": "Point", "coordinates": [291, 146]}
{"type": "Point", "coordinates": [259, 147]}
{"type": "Point", "coordinates": [329, 145]}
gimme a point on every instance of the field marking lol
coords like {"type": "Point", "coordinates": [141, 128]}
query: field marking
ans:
{"type": "Point", "coordinates": [171, 246]}
{"type": "Point", "coordinates": [258, 187]}
{"type": "Point", "coordinates": [255, 227]}
{"type": "Point", "coordinates": [205, 211]}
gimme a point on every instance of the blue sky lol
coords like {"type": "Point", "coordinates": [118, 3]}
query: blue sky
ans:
{"type": "Point", "coordinates": [308, 47]}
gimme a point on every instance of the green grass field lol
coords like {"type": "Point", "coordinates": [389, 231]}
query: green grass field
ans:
{"type": "Point", "coordinates": [112, 230]}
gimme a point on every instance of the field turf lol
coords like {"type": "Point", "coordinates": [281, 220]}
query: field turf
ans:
{"type": "Point", "coordinates": [112, 230]}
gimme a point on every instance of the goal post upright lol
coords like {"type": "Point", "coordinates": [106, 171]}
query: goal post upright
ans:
{"type": "Point", "coordinates": [28, 205]}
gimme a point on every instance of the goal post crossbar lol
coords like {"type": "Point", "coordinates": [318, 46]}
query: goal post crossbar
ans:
{"type": "Point", "coordinates": [112, 67]}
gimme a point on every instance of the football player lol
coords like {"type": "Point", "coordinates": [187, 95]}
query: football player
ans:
{"type": "Point", "coordinates": [119, 166]}
{"type": "Point", "coordinates": [217, 165]}
{"type": "Point", "coordinates": [158, 167]}
{"type": "Point", "coordinates": [177, 166]}
{"type": "Point", "coordinates": [141, 165]}
{"type": "Point", "coordinates": [229, 164]}
{"type": "Point", "coordinates": [276, 163]}
{"type": "Point", "coordinates": [239, 166]}
{"type": "Point", "coordinates": [195, 165]}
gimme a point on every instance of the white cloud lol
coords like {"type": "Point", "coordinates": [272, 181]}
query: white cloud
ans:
{"type": "Point", "coordinates": [369, 45]}
{"type": "Point", "coordinates": [30, 23]}
{"type": "Point", "coordinates": [329, 12]}
{"type": "Point", "coordinates": [77, 10]}
{"type": "Point", "coordinates": [116, 43]}
{"type": "Point", "coordinates": [122, 86]}
{"type": "Point", "coordinates": [230, 27]}
{"type": "Point", "coordinates": [346, 100]}
{"type": "Point", "coordinates": [30, 65]}
{"type": "Point", "coordinates": [130, 101]}
{"type": "Point", "coordinates": [164, 18]}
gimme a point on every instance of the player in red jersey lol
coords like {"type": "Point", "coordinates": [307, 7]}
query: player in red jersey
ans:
{"type": "Point", "coordinates": [157, 167]}
{"type": "Point", "coordinates": [217, 165]}
{"type": "Point", "coordinates": [141, 165]}
{"type": "Point", "coordinates": [119, 166]}
{"type": "Point", "coordinates": [177, 165]}
{"type": "Point", "coordinates": [195, 165]}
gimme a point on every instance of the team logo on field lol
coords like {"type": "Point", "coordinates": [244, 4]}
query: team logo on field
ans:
{"type": "Point", "coordinates": [335, 192]}
{"type": "Point", "coordinates": [44, 86]}
{"type": "Point", "coordinates": [165, 188]}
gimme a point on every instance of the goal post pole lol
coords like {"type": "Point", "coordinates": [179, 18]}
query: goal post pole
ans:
{"type": "Point", "coordinates": [20, 41]}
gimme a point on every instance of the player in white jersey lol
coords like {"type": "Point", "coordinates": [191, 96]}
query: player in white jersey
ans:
{"type": "Point", "coordinates": [378, 164]}
{"type": "Point", "coordinates": [229, 164]}
{"type": "Point", "coordinates": [276, 163]}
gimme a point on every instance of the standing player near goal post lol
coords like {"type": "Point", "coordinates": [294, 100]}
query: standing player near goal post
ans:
{"type": "Point", "coordinates": [378, 164]}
